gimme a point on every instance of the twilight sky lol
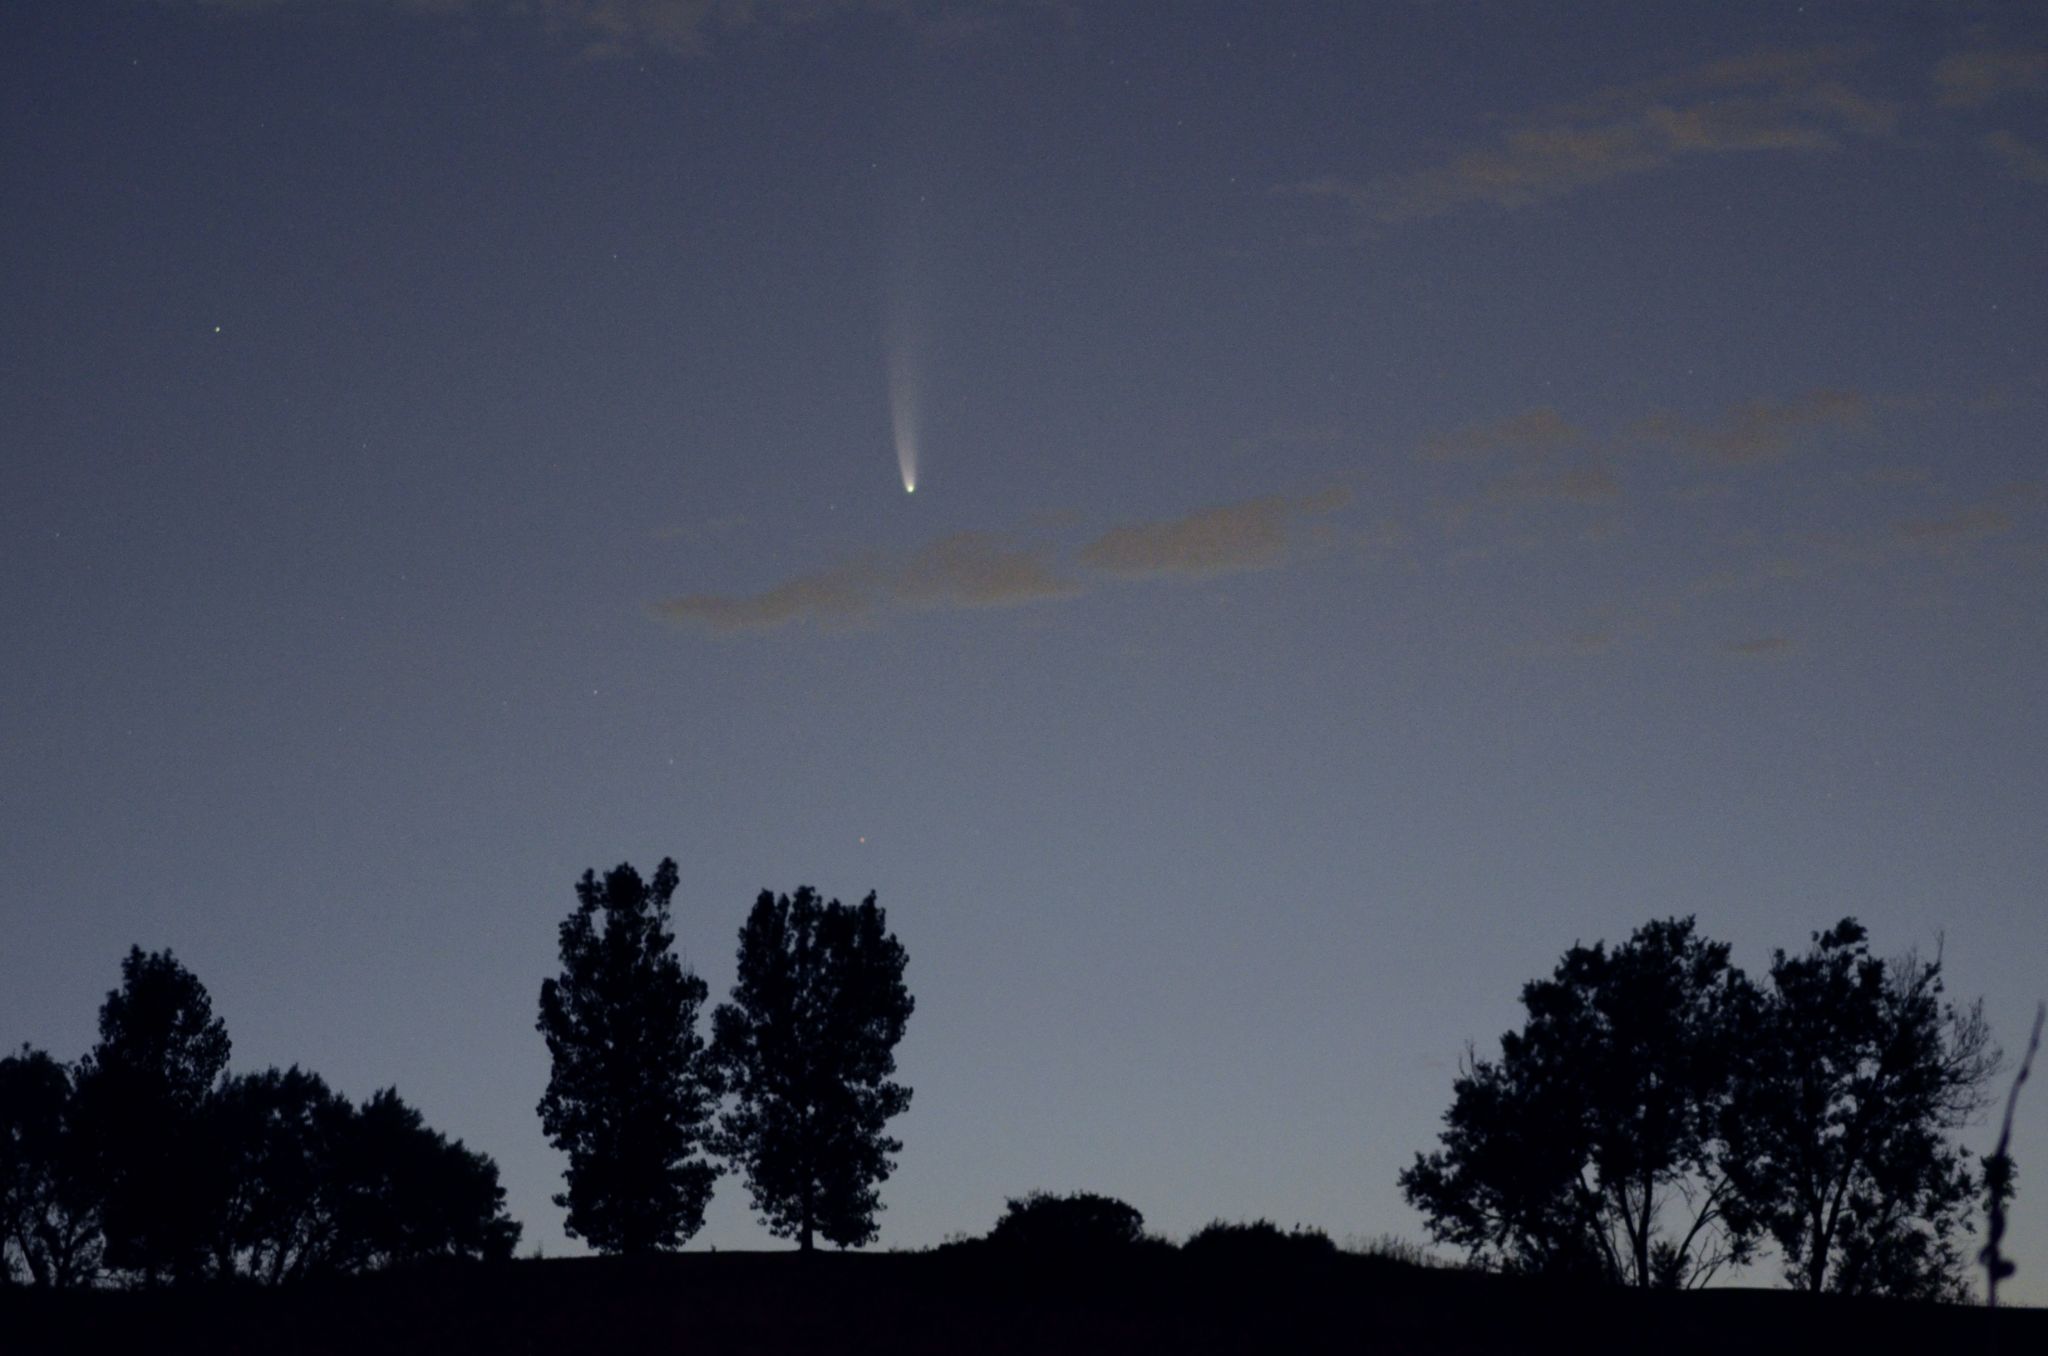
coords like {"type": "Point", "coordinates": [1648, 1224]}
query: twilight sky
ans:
{"type": "Point", "coordinates": [1400, 488]}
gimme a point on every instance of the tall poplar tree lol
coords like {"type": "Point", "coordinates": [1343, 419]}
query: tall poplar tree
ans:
{"type": "Point", "coordinates": [807, 1047]}
{"type": "Point", "coordinates": [627, 1099]}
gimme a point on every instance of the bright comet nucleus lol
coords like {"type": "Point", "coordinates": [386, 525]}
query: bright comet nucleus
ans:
{"type": "Point", "coordinates": [903, 402]}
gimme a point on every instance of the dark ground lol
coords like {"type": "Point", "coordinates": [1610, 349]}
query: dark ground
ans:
{"type": "Point", "coordinates": [761, 1303]}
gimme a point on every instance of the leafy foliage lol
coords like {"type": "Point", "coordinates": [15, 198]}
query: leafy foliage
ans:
{"type": "Point", "coordinates": [1856, 1073]}
{"type": "Point", "coordinates": [49, 1205]}
{"type": "Point", "coordinates": [807, 1047]}
{"type": "Point", "coordinates": [1566, 1154]}
{"type": "Point", "coordinates": [409, 1194]}
{"type": "Point", "coordinates": [628, 1097]}
{"type": "Point", "coordinates": [143, 1093]}
{"type": "Point", "coordinates": [282, 1133]}
{"type": "Point", "coordinates": [150, 1158]}
{"type": "Point", "coordinates": [320, 1186]}
{"type": "Point", "coordinates": [1080, 1221]}
{"type": "Point", "coordinates": [1257, 1242]}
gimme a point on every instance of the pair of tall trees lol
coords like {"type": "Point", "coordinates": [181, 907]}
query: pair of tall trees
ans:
{"type": "Point", "coordinates": [1659, 1116]}
{"type": "Point", "coordinates": [805, 1051]}
{"type": "Point", "coordinates": [148, 1160]}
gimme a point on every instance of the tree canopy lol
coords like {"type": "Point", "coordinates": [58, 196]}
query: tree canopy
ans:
{"type": "Point", "coordinates": [1659, 1115]}
{"type": "Point", "coordinates": [49, 1202]}
{"type": "Point", "coordinates": [1587, 1147]}
{"type": "Point", "coordinates": [628, 1096]}
{"type": "Point", "coordinates": [319, 1185]}
{"type": "Point", "coordinates": [1855, 1074]}
{"type": "Point", "coordinates": [149, 1160]}
{"type": "Point", "coordinates": [143, 1093]}
{"type": "Point", "coordinates": [1077, 1222]}
{"type": "Point", "coordinates": [807, 1047]}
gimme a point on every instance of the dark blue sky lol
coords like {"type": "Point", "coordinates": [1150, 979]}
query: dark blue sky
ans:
{"type": "Point", "coordinates": [1400, 489]}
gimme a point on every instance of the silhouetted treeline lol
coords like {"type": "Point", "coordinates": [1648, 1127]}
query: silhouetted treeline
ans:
{"type": "Point", "coordinates": [804, 1051]}
{"type": "Point", "coordinates": [1661, 1116]}
{"type": "Point", "coordinates": [146, 1161]}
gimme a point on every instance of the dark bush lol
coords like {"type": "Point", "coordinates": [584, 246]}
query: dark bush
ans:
{"type": "Point", "coordinates": [1259, 1241]}
{"type": "Point", "coordinates": [1078, 1222]}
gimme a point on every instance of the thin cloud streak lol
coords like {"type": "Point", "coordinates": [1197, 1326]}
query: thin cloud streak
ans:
{"type": "Point", "coordinates": [1968, 525]}
{"type": "Point", "coordinates": [1973, 79]}
{"type": "Point", "coordinates": [1757, 431]}
{"type": "Point", "coordinates": [838, 594]}
{"type": "Point", "coordinates": [678, 28]}
{"type": "Point", "coordinates": [979, 569]}
{"type": "Point", "coordinates": [2022, 160]}
{"type": "Point", "coordinates": [1769, 101]}
{"type": "Point", "coordinates": [1251, 535]}
{"type": "Point", "coordinates": [1540, 430]}
{"type": "Point", "coordinates": [976, 570]}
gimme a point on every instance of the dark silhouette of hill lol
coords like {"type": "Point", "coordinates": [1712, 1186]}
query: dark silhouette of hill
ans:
{"type": "Point", "coordinates": [979, 1300]}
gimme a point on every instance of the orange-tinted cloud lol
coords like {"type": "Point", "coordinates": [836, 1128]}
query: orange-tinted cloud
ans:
{"type": "Point", "coordinates": [1757, 430]}
{"type": "Point", "coordinates": [979, 569]}
{"type": "Point", "coordinates": [1250, 535]}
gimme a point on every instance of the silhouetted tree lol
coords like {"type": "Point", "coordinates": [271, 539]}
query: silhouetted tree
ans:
{"type": "Point", "coordinates": [628, 1098]}
{"type": "Point", "coordinates": [807, 1047]}
{"type": "Point", "coordinates": [49, 1204]}
{"type": "Point", "coordinates": [320, 1186]}
{"type": "Point", "coordinates": [1856, 1075]}
{"type": "Point", "coordinates": [1598, 1119]}
{"type": "Point", "coordinates": [143, 1093]}
{"type": "Point", "coordinates": [2001, 1176]}
{"type": "Point", "coordinates": [409, 1194]}
{"type": "Point", "coordinates": [1078, 1222]}
{"type": "Point", "coordinates": [284, 1134]}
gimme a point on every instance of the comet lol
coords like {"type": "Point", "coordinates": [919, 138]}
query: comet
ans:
{"type": "Point", "coordinates": [903, 407]}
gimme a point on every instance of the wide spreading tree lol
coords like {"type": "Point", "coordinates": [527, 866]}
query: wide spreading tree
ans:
{"type": "Point", "coordinates": [148, 1161]}
{"type": "Point", "coordinates": [1856, 1074]}
{"type": "Point", "coordinates": [1588, 1147]}
{"type": "Point", "coordinates": [49, 1198]}
{"type": "Point", "coordinates": [1818, 1111]}
{"type": "Point", "coordinates": [807, 1047]}
{"type": "Point", "coordinates": [321, 1186]}
{"type": "Point", "coordinates": [628, 1096]}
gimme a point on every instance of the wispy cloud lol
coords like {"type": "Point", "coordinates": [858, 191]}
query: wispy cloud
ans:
{"type": "Point", "coordinates": [837, 594]}
{"type": "Point", "coordinates": [2022, 160]}
{"type": "Point", "coordinates": [1758, 430]}
{"type": "Point", "coordinates": [1572, 485]}
{"type": "Point", "coordinates": [1539, 430]}
{"type": "Point", "coordinates": [1967, 525]}
{"type": "Point", "coordinates": [686, 28]}
{"type": "Point", "coordinates": [1250, 535]}
{"type": "Point", "coordinates": [967, 570]}
{"type": "Point", "coordinates": [980, 569]}
{"type": "Point", "coordinates": [1972, 79]}
{"type": "Point", "coordinates": [958, 571]}
{"type": "Point", "coordinates": [1772, 100]}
